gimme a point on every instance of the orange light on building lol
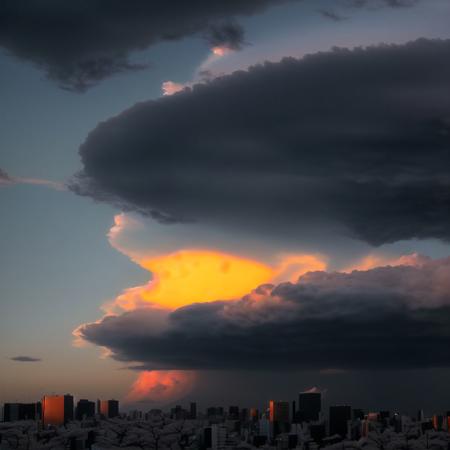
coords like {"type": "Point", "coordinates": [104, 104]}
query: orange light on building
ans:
{"type": "Point", "coordinates": [57, 410]}
{"type": "Point", "coordinates": [279, 411]}
{"type": "Point", "coordinates": [108, 408]}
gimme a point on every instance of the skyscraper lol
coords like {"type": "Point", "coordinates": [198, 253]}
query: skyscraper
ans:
{"type": "Point", "coordinates": [57, 409]}
{"type": "Point", "coordinates": [233, 412]}
{"type": "Point", "coordinates": [309, 405]}
{"type": "Point", "coordinates": [339, 417]}
{"type": "Point", "coordinates": [85, 409]}
{"type": "Point", "coordinates": [279, 416]}
{"type": "Point", "coordinates": [108, 408]}
{"type": "Point", "coordinates": [193, 410]}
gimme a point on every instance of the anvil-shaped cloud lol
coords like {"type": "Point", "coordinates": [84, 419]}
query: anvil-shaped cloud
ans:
{"type": "Point", "coordinates": [348, 142]}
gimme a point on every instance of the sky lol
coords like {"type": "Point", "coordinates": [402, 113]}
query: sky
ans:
{"type": "Point", "coordinates": [231, 203]}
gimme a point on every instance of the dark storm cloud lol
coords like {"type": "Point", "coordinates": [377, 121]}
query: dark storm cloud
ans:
{"type": "Point", "coordinates": [391, 3]}
{"type": "Point", "coordinates": [357, 141]}
{"type": "Point", "coordinates": [25, 359]}
{"type": "Point", "coordinates": [390, 317]}
{"type": "Point", "coordinates": [79, 43]}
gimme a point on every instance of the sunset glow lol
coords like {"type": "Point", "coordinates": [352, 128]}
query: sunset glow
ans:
{"type": "Point", "coordinates": [220, 50]}
{"type": "Point", "coordinates": [161, 386]}
{"type": "Point", "coordinates": [189, 276]}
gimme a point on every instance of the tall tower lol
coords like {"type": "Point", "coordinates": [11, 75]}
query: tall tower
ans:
{"type": "Point", "coordinates": [310, 406]}
{"type": "Point", "coordinates": [279, 417]}
{"type": "Point", "coordinates": [339, 417]}
{"type": "Point", "coordinates": [57, 410]}
{"type": "Point", "coordinates": [108, 408]}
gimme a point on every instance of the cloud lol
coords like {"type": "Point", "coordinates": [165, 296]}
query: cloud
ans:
{"type": "Point", "coordinates": [170, 87]}
{"type": "Point", "coordinates": [6, 179]}
{"type": "Point", "coordinates": [380, 3]}
{"type": "Point", "coordinates": [79, 43]}
{"type": "Point", "coordinates": [161, 386]}
{"type": "Point", "coordinates": [332, 15]}
{"type": "Point", "coordinates": [189, 275]}
{"type": "Point", "coordinates": [383, 318]}
{"type": "Point", "coordinates": [374, 260]}
{"type": "Point", "coordinates": [25, 359]}
{"type": "Point", "coordinates": [348, 141]}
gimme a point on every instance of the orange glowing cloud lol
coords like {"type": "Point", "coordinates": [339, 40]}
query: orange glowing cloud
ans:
{"type": "Point", "coordinates": [186, 276]}
{"type": "Point", "coordinates": [189, 276]}
{"type": "Point", "coordinates": [161, 386]}
{"type": "Point", "coordinates": [371, 261]}
{"type": "Point", "coordinates": [221, 50]}
{"type": "Point", "coordinates": [170, 87]}
{"type": "Point", "coordinates": [293, 266]}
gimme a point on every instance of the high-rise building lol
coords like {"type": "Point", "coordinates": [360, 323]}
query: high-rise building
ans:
{"type": "Point", "coordinates": [310, 406]}
{"type": "Point", "coordinates": [233, 412]}
{"type": "Point", "coordinates": [57, 410]}
{"type": "Point", "coordinates": [108, 408]}
{"type": "Point", "coordinates": [339, 418]}
{"type": "Point", "coordinates": [254, 414]}
{"type": "Point", "coordinates": [358, 414]}
{"type": "Point", "coordinates": [215, 437]}
{"type": "Point", "coordinates": [244, 415]}
{"type": "Point", "coordinates": [279, 416]}
{"type": "Point", "coordinates": [19, 411]}
{"type": "Point", "coordinates": [438, 422]}
{"type": "Point", "coordinates": [193, 410]}
{"type": "Point", "coordinates": [85, 409]}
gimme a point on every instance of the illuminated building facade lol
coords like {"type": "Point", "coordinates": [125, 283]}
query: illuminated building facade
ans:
{"type": "Point", "coordinates": [279, 416]}
{"type": "Point", "coordinates": [108, 408]}
{"type": "Point", "coordinates": [57, 410]}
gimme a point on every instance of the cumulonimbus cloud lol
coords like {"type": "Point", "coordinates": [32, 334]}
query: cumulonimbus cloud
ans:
{"type": "Point", "coordinates": [387, 317]}
{"type": "Point", "coordinates": [350, 140]}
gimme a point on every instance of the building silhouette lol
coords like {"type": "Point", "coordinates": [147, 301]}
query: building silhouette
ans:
{"type": "Point", "coordinates": [108, 408]}
{"type": "Point", "coordinates": [193, 410]}
{"type": "Point", "coordinates": [57, 410]}
{"type": "Point", "coordinates": [278, 417]}
{"type": "Point", "coordinates": [339, 419]}
{"type": "Point", "coordinates": [310, 406]}
{"type": "Point", "coordinates": [85, 409]}
{"type": "Point", "coordinates": [19, 411]}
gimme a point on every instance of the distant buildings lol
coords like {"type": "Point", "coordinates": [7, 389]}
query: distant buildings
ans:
{"type": "Point", "coordinates": [19, 411]}
{"type": "Point", "coordinates": [57, 410]}
{"type": "Point", "coordinates": [219, 428]}
{"type": "Point", "coordinates": [108, 408]}
{"type": "Point", "coordinates": [85, 409]}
